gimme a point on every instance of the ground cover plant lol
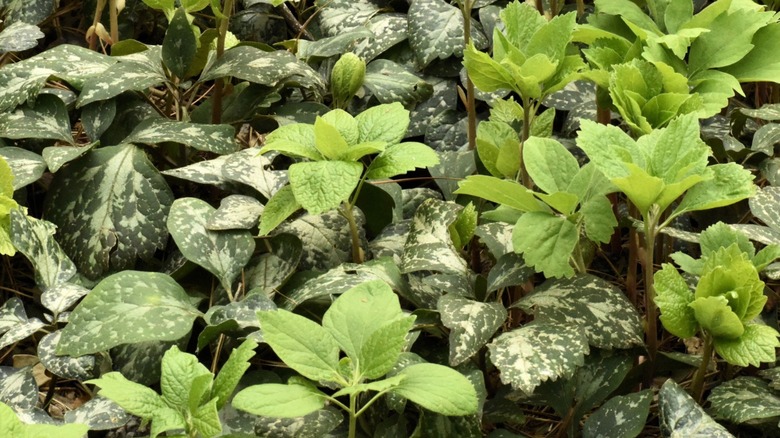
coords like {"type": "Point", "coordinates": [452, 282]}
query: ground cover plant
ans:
{"type": "Point", "coordinates": [387, 218]}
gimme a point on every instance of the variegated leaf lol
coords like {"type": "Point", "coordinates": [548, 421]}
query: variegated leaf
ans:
{"type": "Point", "coordinates": [26, 166]}
{"type": "Point", "coordinates": [444, 96]}
{"type": "Point", "coordinates": [223, 253]}
{"type": "Point", "coordinates": [250, 168]}
{"type": "Point", "coordinates": [62, 296]}
{"type": "Point", "coordinates": [141, 362]}
{"type": "Point", "coordinates": [58, 156]}
{"type": "Point", "coordinates": [338, 16]}
{"type": "Point", "coordinates": [436, 31]}
{"type": "Point", "coordinates": [46, 119]}
{"type": "Point", "coordinates": [623, 416]}
{"type": "Point", "coordinates": [35, 239]}
{"type": "Point", "coordinates": [68, 367]}
{"type": "Point", "coordinates": [318, 423]}
{"type": "Point", "coordinates": [203, 172]}
{"type": "Point", "coordinates": [333, 45]}
{"type": "Point", "coordinates": [765, 138]}
{"type": "Point", "coordinates": [461, 285]}
{"type": "Point", "coordinates": [411, 199]}
{"type": "Point", "coordinates": [759, 233]}
{"type": "Point", "coordinates": [682, 416]}
{"type": "Point", "coordinates": [97, 117]}
{"type": "Point", "coordinates": [135, 72]}
{"type": "Point", "coordinates": [590, 304]}
{"type": "Point", "coordinates": [235, 212]}
{"type": "Point", "coordinates": [271, 270]}
{"type": "Point", "coordinates": [773, 375]}
{"type": "Point", "coordinates": [235, 317]}
{"type": "Point", "coordinates": [452, 165]}
{"type": "Point", "coordinates": [18, 390]}
{"type": "Point", "coordinates": [471, 324]}
{"type": "Point", "coordinates": [110, 206]}
{"type": "Point", "coordinates": [388, 29]}
{"type": "Point", "coordinates": [74, 64]}
{"type": "Point", "coordinates": [390, 242]}
{"type": "Point", "coordinates": [128, 307]}
{"type": "Point", "coordinates": [264, 68]}
{"type": "Point", "coordinates": [765, 205]}
{"type": "Point", "coordinates": [537, 352]}
{"type": "Point", "coordinates": [391, 82]}
{"type": "Point", "coordinates": [744, 399]}
{"type": "Point", "coordinates": [429, 245]}
{"type": "Point", "coordinates": [19, 36]}
{"type": "Point", "coordinates": [497, 236]}
{"type": "Point", "coordinates": [99, 413]}
{"type": "Point", "coordinates": [510, 270]}
{"type": "Point", "coordinates": [27, 11]}
{"type": "Point", "coordinates": [326, 239]}
{"type": "Point", "coordinates": [14, 324]}
{"type": "Point", "coordinates": [334, 282]}
{"type": "Point", "coordinates": [210, 138]}
{"type": "Point", "coordinates": [19, 82]}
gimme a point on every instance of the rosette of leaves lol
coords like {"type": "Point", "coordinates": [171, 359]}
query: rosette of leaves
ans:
{"type": "Point", "coordinates": [728, 297]}
{"type": "Point", "coordinates": [332, 168]}
{"type": "Point", "coordinates": [367, 323]}
{"type": "Point", "coordinates": [553, 227]}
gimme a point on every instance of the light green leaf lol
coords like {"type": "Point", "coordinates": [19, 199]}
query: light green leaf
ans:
{"type": "Point", "coordinates": [471, 324]}
{"type": "Point", "coordinates": [486, 73]}
{"type": "Point", "coordinates": [437, 388]}
{"type": "Point", "coordinates": [757, 344]}
{"type": "Point", "coordinates": [762, 63]}
{"type": "Point", "coordinates": [642, 189]}
{"type": "Point", "coordinates": [549, 164]}
{"type": "Point", "coordinates": [128, 307]}
{"type": "Point", "coordinates": [500, 191]}
{"type": "Point", "coordinates": [281, 206]}
{"type": "Point", "coordinates": [133, 397]}
{"type": "Point", "coordinates": [348, 73]}
{"type": "Point", "coordinates": [673, 298]}
{"type": "Point", "coordinates": [302, 344]}
{"type": "Point", "coordinates": [223, 253]}
{"type": "Point", "coordinates": [498, 146]}
{"type": "Point", "coordinates": [296, 140]}
{"type": "Point", "coordinates": [546, 242]}
{"type": "Point", "coordinates": [328, 140]}
{"type": "Point", "coordinates": [623, 416]}
{"type": "Point", "coordinates": [387, 123]}
{"type": "Point", "coordinates": [209, 138]}
{"type": "Point", "coordinates": [596, 307]}
{"type": "Point", "coordinates": [180, 378]}
{"type": "Point", "coordinates": [381, 349]}
{"type": "Point", "coordinates": [744, 399]}
{"type": "Point", "coordinates": [278, 400]}
{"type": "Point", "coordinates": [682, 416]}
{"type": "Point", "coordinates": [678, 150]}
{"type": "Point", "coordinates": [206, 420]}
{"type": "Point", "coordinates": [323, 185]}
{"type": "Point", "coordinates": [232, 371]}
{"type": "Point", "coordinates": [110, 206]}
{"type": "Point", "coordinates": [537, 352]}
{"type": "Point", "coordinates": [599, 217]}
{"type": "Point", "coordinates": [730, 183]}
{"type": "Point", "coordinates": [716, 317]}
{"type": "Point", "coordinates": [401, 158]}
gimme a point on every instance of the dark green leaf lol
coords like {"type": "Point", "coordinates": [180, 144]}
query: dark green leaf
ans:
{"type": "Point", "coordinates": [681, 416]}
{"type": "Point", "coordinates": [471, 324]}
{"type": "Point", "coordinates": [179, 45]}
{"type": "Point", "coordinates": [622, 416]}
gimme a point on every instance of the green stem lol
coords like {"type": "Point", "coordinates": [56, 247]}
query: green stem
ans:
{"type": "Point", "coordinates": [216, 110]}
{"type": "Point", "coordinates": [352, 415]}
{"type": "Point", "coordinates": [651, 334]}
{"type": "Point", "coordinates": [357, 251]}
{"type": "Point", "coordinates": [579, 261]}
{"type": "Point", "coordinates": [527, 115]}
{"type": "Point", "coordinates": [697, 388]}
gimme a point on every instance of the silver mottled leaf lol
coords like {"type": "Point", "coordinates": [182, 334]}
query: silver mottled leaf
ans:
{"type": "Point", "coordinates": [681, 416]}
{"type": "Point", "coordinates": [202, 172]}
{"type": "Point", "coordinates": [250, 168]}
{"type": "Point", "coordinates": [334, 282]}
{"type": "Point", "coordinates": [68, 367]}
{"type": "Point", "coordinates": [20, 36]}
{"type": "Point", "coordinates": [62, 296]}
{"type": "Point", "coordinates": [35, 239]}
{"type": "Point", "coordinates": [264, 68]}
{"type": "Point", "coordinates": [390, 242]}
{"type": "Point", "coordinates": [510, 270]}
{"type": "Point", "coordinates": [444, 96]}
{"type": "Point", "coordinates": [452, 164]}
{"type": "Point", "coordinates": [223, 253]}
{"type": "Point", "coordinates": [471, 324]}
{"type": "Point", "coordinates": [135, 72]}
{"type": "Point", "coordinates": [271, 270]}
{"type": "Point", "coordinates": [110, 206]}
{"type": "Point", "coordinates": [392, 82]}
{"type": "Point", "coordinates": [316, 424]}
{"type": "Point", "coordinates": [461, 285]}
{"type": "Point", "coordinates": [210, 138]}
{"type": "Point", "coordinates": [99, 413]}
{"type": "Point", "coordinates": [773, 375]}
{"type": "Point", "coordinates": [244, 312]}
{"type": "Point", "coordinates": [128, 307]}
{"type": "Point", "coordinates": [429, 245]}
{"type": "Point", "coordinates": [338, 16]}
{"type": "Point", "coordinates": [389, 30]}
{"type": "Point", "coordinates": [765, 205]}
{"type": "Point", "coordinates": [97, 117]}
{"type": "Point", "coordinates": [537, 352]}
{"type": "Point", "coordinates": [622, 416]}
{"type": "Point", "coordinates": [759, 233]}
{"type": "Point", "coordinates": [590, 304]}
{"type": "Point", "coordinates": [411, 199]}
{"type": "Point", "coordinates": [436, 31]}
{"type": "Point", "coordinates": [141, 361]}
{"type": "Point", "coordinates": [20, 82]}
{"type": "Point", "coordinates": [46, 119]}
{"type": "Point", "coordinates": [326, 239]}
{"type": "Point", "coordinates": [744, 399]}
{"type": "Point", "coordinates": [765, 138]}
{"type": "Point", "coordinates": [235, 212]}
{"type": "Point", "coordinates": [58, 156]}
{"type": "Point", "coordinates": [18, 390]}
{"type": "Point", "coordinates": [14, 324]}
{"type": "Point", "coordinates": [26, 166]}
{"type": "Point", "coordinates": [27, 11]}
{"type": "Point", "coordinates": [497, 236]}
{"type": "Point", "coordinates": [332, 45]}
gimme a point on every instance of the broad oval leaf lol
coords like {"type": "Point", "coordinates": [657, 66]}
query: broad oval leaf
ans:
{"type": "Point", "coordinates": [26, 166]}
{"type": "Point", "coordinates": [278, 400]}
{"type": "Point", "coordinates": [546, 242]}
{"type": "Point", "coordinates": [135, 72]}
{"type": "Point", "coordinates": [436, 30]}
{"type": "Point", "coordinates": [223, 253]}
{"type": "Point", "coordinates": [79, 368]}
{"type": "Point", "coordinates": [35, 239]}
{"type": "Point", "coordinates": [210, 138]}
{"type": "Point", "coordinates": [471, 324]}
{"type": "Point", "coordinates": [320, 186]}
{"type": "Point", "coordinates": [326, 241]}
{"type": "Point", "coordinates": [597, 308]}
{"type": "Point", "coordinates": [110, 207]}
{"type": "Point", "coordinates": [622, 416]}
{"type": "Point", "coordinates": [744, 399]}
{"type": "Point", "coordinates": [401, 158]}
{"type": "Point", "coordinates": [235, 212]}
{"type": "Point", "coordinates": [128, 307]}
{"type": "Point", "coordinates": [99, 413]}
{"type": "Point", "coordinates": [429, 245]}
{"type": "Point", "coordinates": [537, 352]}
{"type": "Point", "coordinates": [437, 388]}
{"type": "Point", "coordinates": [682, 416]}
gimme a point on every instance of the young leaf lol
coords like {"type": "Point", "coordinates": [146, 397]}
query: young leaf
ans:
{"type": "Point", "coordinates": [387, 123]}
{"type": "Point", "coordinates": [546, 242]}
{"type": "Point", "coordinates": [673, 298]}
{"type": "Point", "coordinates": [549, 164]}
{"type": "Point", "coordinates": [500, 191]}
{"type": "Point", "coordinates": [623, 415]}
{"type": "Point", "coordinates": [381, 349]}
{"type": "Point", "coordinates": [471, 324]}
{"type": "Point", "coordinates": [730, 183]}
{"type": "Point", "coordinates": [223, 253]}
{"type": "Point", "coordinates": [744, 399]}
{"type": "Point", "coordinates": [302, 344]}
{"type": "Point", "coordinates": [136, 399]}
{"type": "Point", "coordinates": [401, 158]}
{"type": "Point", "coordinates": [296, 140]}
{"type": "Point", "coordinates": [206, 419]}
{"type": "Point", "coordinates": [281, 206]}
{"type": "Point", "coordinates": [328, 140]}
{"type": "Point", "coordinates": [182, 376]}
{"type": "Point", "coordinates": [126, 307]}
{"type": "Point", "coordinates": [278, 400]}
{"type": "Point", "coordinates": [757, 344]}
{"type": "Point", "coordinates": [232, 371]}
{"type": "Point", "coordinates": [437, 388]}
{"type": "Point", "coordinates": [323, 185]}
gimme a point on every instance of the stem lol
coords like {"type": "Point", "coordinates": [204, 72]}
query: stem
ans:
{"type": "Point", "coordinates": [567, 425]}
{"type": "Point", "coordinates": [352, 415]}
{"type": "Point", "coordinates": [527, 114]}
{"type": "Point", "coordinates": [112, 12]}
{"type": "Point", "coordinates": [470, 99]}
{"type": "Point", "coordinates": [95, 20]}
{"type": "Point", "coordinates": [579, 261]}
{"type": "Point", "coordinates": [697, 388]}
{"type": "Point", "coordinates": [216, 109]}
{"type": "Point", "coordinates": [651, 334]}
{"type": "Point", "coordinates": [357, 251]}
